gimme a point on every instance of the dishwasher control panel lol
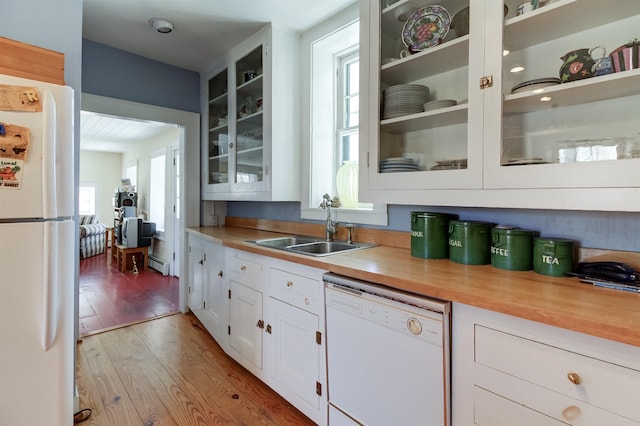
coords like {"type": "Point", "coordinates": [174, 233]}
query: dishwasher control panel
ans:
{"type": "Point", "coordinates": [402, 318]}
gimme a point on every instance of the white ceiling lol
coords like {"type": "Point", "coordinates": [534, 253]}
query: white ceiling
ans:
{"type": "Point", "coordinates": [203, 31]}
{"type": "Point", "coordinates": [100, 132]}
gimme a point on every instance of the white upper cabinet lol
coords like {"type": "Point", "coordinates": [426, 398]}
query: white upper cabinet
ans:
{"type": "Point", "coordinates": [443, 140]}
{"type": "Point", "coordinates": [513, 139]}
{"type": "Point", "coordinates": [251, 136]}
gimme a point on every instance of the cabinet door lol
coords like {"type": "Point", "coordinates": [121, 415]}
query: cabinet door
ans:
{"type": "Point", "coordinates": [196, 276]}
{"type": "Point", "coordinates": [581, 133]}
{"type": "Point", "coordinates": [217, 299]}
{"type": "Point", "coordinates": [421, 139]}
{"type": "Point", "coordinates": [216, 146]}
{"type": "Point", "coordinates": [246, 325]}
{"type": "Point", "coordinates": [293, 354]}
{"type": "Point", "coordinates": [248, 170]}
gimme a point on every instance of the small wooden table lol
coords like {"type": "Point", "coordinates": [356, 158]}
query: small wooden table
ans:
{"type": "Point", "coordinates": [123, 252]}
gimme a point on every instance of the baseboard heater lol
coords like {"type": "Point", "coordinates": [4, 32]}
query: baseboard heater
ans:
{"type": "Point", "coordinates": [159, 265]}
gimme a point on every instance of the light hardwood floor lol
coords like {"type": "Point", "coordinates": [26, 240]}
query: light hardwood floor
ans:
{"type": "Point", "coordinates": [169, 371]}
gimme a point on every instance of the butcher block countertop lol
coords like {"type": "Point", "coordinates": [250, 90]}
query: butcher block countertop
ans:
{"type": "Point", "coordinates": [562, 302]}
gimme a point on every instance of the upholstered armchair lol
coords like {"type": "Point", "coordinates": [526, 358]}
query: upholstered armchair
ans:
{"type": "Point", "coordinates": [92, 236]}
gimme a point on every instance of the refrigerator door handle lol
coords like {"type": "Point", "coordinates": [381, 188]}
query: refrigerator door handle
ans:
{"type": "Point", "coordinates": [49, 155]}
{"type": "Point", "coordinates": [50, 286]}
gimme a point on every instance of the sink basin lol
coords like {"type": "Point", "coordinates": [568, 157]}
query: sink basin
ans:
{"type": "Point", "coordinates": [310, 245]}
{"type": "Point", "coordinates": [283, 242]}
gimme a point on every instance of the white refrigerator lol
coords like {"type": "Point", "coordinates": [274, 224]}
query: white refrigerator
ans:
{"type": "Point", "coordinates": [37, 250]}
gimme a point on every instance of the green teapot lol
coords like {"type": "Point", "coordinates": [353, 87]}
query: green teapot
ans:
{"type": "Point", "coordinates": [576, 65]}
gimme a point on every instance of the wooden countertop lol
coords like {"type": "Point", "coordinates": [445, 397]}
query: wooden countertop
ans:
{"type": "Point", "coordinates": [561, 302]}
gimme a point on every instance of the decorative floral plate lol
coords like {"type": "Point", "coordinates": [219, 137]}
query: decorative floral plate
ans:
{"type": "Point", "coordinates": [426, 27]}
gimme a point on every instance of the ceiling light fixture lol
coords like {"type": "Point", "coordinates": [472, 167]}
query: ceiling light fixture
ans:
{"type": "Point", "coordinates": [161, 25]}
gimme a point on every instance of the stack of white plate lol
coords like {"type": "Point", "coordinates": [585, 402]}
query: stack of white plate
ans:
{"type": "Point", "coordinates": [442, 103]}
{"type": "Point", "coordinates": [403, 99]}
{"type": "Point", "coordinates": [538, 83]}
{"type": "Point", "coordinates": [398, 164]}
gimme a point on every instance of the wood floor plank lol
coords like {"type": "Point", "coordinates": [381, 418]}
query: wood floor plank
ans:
{"type": "Point", "coordinates": [229, 384]}
{"type": "Point", "coordinates": [172, 367]}
{"type": "Point", "coordinates": [104, 393]}
{"type": "Point", "coordinates": [136, 367]}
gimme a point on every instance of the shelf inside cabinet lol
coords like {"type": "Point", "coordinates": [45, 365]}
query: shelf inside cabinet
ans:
{"type": "Point", "coordinates": [426, 120]}
{"type": "Point", "coordinates": [250, 157]}
{"type": "Point", "coordinates": [611, 86]}
{"type": "Point", "coordinates": [252, 88]}
{"type": "Point", "coordinates": [249, 122]}
{"type": "Point", "coordinates": [220, 129]}
{"type": "Point", "coordinates": [220, 101]}
{"type": "Point", "coordinates": [563, 18]}
{"type": "Point", "coordinates": [435, 60]}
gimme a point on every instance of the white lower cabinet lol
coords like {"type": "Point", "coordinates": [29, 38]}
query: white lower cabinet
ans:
{"type": "Point", "coordinates": [245, 325]}
{"type": "Point", "coordinates": [511, 371]}
{"type": "Point", "coordinates": [247, 282]}
{"type": "Point", "coordinates": [294, 340]}
{"type": "Point", "coordinates": [207, 286]}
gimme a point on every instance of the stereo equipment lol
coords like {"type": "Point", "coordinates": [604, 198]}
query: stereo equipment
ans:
{"type": "Point", "coordinates": [125, 199]}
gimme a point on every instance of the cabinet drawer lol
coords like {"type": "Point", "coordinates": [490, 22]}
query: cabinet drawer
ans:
{"type": "Point", "coordinates": [244, 270]}
{"type": "Point", "coordinates": [598, 383]}
{"type": "Point", "coordinates": [494, 410]}
{"type": "Point", "coordinates": [303, 292]}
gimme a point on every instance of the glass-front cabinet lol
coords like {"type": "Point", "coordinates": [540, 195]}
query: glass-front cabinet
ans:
{"type": "Point", "coordinates": [420, 99]}
{"type": "Point", "coordinates": [569, 120]}
{"type": "Point", "coordinates": [509, 103]}
{"type": "Point", "coordinates": [249, 120]}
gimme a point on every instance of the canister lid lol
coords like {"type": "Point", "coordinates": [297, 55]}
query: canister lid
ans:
{"type": "Point", "coordinates": [552, 241]}
{"type": "Point", "coordinates": [431, 214]}
{"type": "Point", "coordinates": [509, 230]}
{"type": "Point", "coordinates": [470, 224]}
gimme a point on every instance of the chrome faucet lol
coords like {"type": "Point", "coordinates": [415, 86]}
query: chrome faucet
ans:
{"type": "Point", "coordinates": [331, 226]}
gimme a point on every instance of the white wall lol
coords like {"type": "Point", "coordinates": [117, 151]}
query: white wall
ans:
{"type": "Point", "coordinates": [104, 170]}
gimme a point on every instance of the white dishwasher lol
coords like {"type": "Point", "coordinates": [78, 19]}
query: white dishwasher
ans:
{"type": "Point", "coordinates": [388, 355]}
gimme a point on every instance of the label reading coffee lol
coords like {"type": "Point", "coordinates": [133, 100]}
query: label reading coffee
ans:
{"type": "Point", "coordinates": [500, 251]}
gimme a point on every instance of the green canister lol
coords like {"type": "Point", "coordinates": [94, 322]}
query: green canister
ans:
{"type": "Point", "coordinates": [470, 242]}
{"type": "Point", "coordinates": [512, 248]}
{"type": "Point", "coordinates": [553, 256]}
{"type": "Point", "coordinates": [429, 235]}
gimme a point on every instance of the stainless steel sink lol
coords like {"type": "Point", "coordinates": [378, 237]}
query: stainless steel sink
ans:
{"type": "Point", "coordinates": [310, 246]}
{"type": "Point", "coordinates": [282, 242]}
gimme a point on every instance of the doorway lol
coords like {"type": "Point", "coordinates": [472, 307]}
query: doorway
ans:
{"type": "Point", "coordinates": [185, 189]}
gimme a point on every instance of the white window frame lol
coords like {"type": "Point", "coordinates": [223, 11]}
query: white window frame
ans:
{"type": "Point", "coordinates": [317, 155]}
{"type": "Point", "coordinates": [160, 232]}
{"type": "Point", "coordinates": [88, 185]}
{"type": "Point", "coordinates": [131, 168]}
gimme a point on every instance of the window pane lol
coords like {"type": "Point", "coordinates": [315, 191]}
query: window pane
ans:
{"type": "Point", "coordinates": [87, 200]}
{"type": "Point", "coordinates": [349, 149]}
{"type": "Point", "coordinates": [157, 192]}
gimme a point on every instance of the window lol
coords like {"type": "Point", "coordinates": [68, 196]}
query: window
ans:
{"type": "Point", "coordinates": [87, 200]}
{"type": "Point", "coordinates": [157, 191]}
{"type": "Point", "coordinates": [330, 54]}
{"type": "Point", "coordinates": [131, 172]}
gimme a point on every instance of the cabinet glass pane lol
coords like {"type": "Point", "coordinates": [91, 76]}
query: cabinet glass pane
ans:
{"type": "Point", "coordinates": [218, 129]}
{"type": "Point", "coordinates": [566, 104]}
{"type": "Point", "coordinates": [250, 121]}
{"type": "Point", "coordinates": [423, 129]}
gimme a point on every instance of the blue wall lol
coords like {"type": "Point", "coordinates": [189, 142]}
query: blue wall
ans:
{"type": "Point", "coordinates": [115, 73]}
{"type": "Point", "coordinates": [610, 230]}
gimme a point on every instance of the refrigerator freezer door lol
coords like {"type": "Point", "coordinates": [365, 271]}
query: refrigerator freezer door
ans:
{"type": "Point", "coordinates": [47, 188]}
{"type": "Point", "coordinates": [36, 386]}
